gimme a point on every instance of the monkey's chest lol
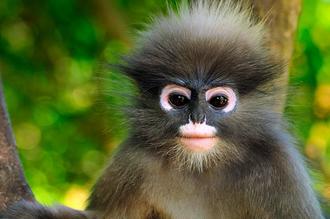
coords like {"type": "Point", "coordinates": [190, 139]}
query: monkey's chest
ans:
{"type": "Point", "coordinates": [179, 199]}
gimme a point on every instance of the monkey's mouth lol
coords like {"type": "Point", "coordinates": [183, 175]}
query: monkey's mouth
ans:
{"type": "Point", "coordinates": [198, 143]}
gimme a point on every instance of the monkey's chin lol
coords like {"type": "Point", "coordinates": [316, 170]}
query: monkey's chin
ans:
{"type": "Point", "coordinates": [199, 144]}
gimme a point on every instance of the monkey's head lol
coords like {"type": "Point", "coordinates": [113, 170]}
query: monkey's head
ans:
{"type": "Point", "coordinates": [208, 87]}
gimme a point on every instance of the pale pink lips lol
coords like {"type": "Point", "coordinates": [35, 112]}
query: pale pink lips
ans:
{"type": "Point", "coordinates": [198, 143]}
{"type": "Point", "coordinates": [198, 137]}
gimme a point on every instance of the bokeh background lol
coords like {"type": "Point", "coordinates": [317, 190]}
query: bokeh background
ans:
{"type": "Point", "coordinates": [64, 102]}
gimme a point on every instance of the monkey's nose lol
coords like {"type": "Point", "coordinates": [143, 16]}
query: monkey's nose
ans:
{"type": "Point", "coordinates": [197, 117]}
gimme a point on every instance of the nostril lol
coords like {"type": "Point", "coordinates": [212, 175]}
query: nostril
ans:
{"type": "Point", "coordinates": [203, 119]}
{"type": "Point", "coordinates": [190, 117]}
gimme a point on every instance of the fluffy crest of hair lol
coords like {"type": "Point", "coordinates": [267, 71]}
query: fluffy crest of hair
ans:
{"type": "Point", "coordinates": [215, 20]}
{"type": "Point", "coordinates": [204, 42]}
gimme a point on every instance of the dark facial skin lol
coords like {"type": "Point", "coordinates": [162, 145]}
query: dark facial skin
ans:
{"type": "Point", "coordinates": [247, 167]}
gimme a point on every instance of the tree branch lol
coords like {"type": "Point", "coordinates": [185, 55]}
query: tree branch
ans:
{"type": "Point", "coordinates": [13, 186]}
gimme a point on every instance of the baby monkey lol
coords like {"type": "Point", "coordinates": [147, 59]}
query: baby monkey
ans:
{"type": "Point", "coordinates": [206, 141]}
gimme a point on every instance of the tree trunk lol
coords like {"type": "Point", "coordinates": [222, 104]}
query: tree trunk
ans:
{"type": "Point", "coordinates": [281, 20]}
{"type": "Point", "coordinates": [282, 17]}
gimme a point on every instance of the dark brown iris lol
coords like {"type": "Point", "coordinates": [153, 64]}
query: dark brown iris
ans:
{"type": "Point", "coordinates": [178, 100]}
{"type": "Point", "coordinates": [219, 101]}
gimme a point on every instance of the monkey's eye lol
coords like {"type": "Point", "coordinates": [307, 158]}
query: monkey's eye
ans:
{"type": "Point", "coordinates": [174, 97]}
{"type": "Point", "coordinates": [219, 101]}
{"type": "Point", "coordinates": [178, 100]}
{"type": "Point", "coordinates": [221, 98]}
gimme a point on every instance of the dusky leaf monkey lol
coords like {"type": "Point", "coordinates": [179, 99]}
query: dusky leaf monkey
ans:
{"type": "Point", "coordinates": [206, 141]}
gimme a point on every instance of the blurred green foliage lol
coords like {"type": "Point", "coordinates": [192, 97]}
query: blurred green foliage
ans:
{"type": "Point", "coordinates": [56, 86]}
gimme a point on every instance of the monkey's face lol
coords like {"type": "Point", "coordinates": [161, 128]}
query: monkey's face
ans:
{"type": "Point", "coordinates": [205, 100]}
{"type": "Point", "coordinates": [197, 112]}
{"type": "Point", "coordinates": [203, 105]}
{"type": "Point", "coordinates": [199, 108]}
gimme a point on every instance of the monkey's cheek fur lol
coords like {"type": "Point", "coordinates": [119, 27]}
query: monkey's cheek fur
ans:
{"type": "Point", "coordinates": [199, 144]}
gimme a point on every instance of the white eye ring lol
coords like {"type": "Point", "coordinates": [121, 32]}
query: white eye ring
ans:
{"type": "Point", "coordinates": [170, 89]}
{"type": "Point", "coordinates": [226, 91]}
